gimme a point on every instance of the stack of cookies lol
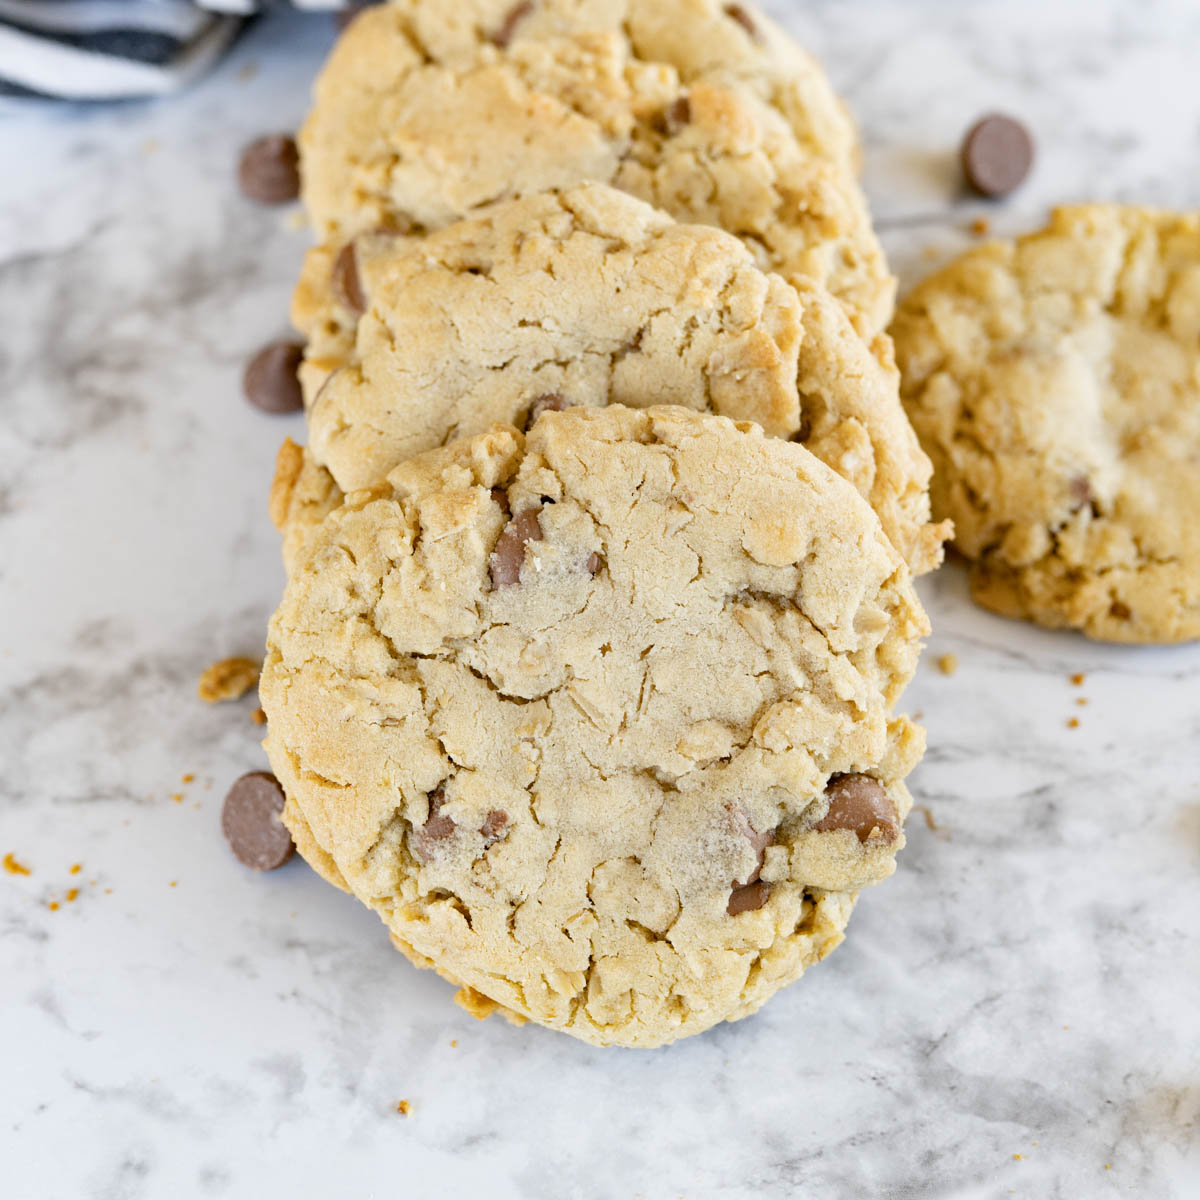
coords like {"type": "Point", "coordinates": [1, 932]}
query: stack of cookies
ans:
{"type": "Point", "coordinates": [600, 554]}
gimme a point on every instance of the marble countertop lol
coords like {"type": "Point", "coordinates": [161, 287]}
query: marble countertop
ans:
{"type": "Point", "coordinates": [1015, 1013]}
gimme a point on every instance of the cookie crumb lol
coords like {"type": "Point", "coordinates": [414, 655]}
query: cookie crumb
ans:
{"type": "Point", "coordinates": [13, 867]}
{"type": "Point", "coordinates": [454, 1045]}
{"type": "Point", "coordinates": [403, 1107]}
{"type": "Point", "coordinates": [1078, 679]}
{"type": "Point", "coordinates": [174, 882]}
{"type": "Point", "coordinates": [1018, 1157]}
{"type": "Point", "coordinates": [980, 226]}
{"type": "Point", "coordinates": [947, 663]}
{"type": "Point", "coordinates": [189, 778]}
{"type": "Point", "coordinates": [177, 797]}
{"type": "Point", "coordinates": [76, 868]}
{"type": "Point", "coordinates": [258, 717]}
{"type": "Point", "coordinates": [1073, 723]}
{"type": "Point", "coordinates": [53, 906]}
{"type": "Point", "coordinates": [228, 679]}
{"type": "Point", "coordinates": [1082, 701]}
{"type": "Point", "coordinates": [72, 895]}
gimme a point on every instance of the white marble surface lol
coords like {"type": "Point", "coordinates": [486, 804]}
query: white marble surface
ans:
{"type": "Point", "coordinates": [1014, 1013]}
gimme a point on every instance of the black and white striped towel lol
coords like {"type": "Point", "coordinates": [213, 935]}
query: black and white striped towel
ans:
{"type": "Point", "coordinates": [106, 49]}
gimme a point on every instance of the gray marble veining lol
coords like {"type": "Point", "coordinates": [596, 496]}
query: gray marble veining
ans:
{"type": "Point", "coordinates": [1014, 1013]}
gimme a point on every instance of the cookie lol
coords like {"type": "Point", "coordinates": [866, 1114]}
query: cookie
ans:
{"type": "Point", "coordinates": [421, 117]}
{"type": "Point", "coordinates": [589, 297]}
{"type": "Point", "coordinates": [1055, 383]}
{"type": "Point", "coordinates": [598, 719]}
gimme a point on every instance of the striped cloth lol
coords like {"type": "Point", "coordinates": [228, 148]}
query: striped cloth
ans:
{"type": "Point", "coordinates": [108, 49]}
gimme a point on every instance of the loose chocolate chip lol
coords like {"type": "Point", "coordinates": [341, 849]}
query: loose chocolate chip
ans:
{"type": "Point", "coordinates": [345, 281]}
{"type": "Point", "coordinates": [269, 170]}
{"type": "Point", "coordinates": [593, 563]}
{"type": "Point", "coordinates": [996, 155]}
{"type": "Point", "coordinates": [550, 402]}
{"type": "Point", "coordinates": [735, 12]}
{"type": "Point", "coordinates": [269, 381]}
{"type": "Point", "coordinates": [747, 898]}
{"type": "Point", "coordinates": [251, 825]}
{"type": "Point", "coordinates": [508, 26]}
{"type": "Point", "coordinates": [509, 553]}
{"type": "Point", "coordinates": [494, 826]}
{"type": "Point", "coordinates": [860, 803]}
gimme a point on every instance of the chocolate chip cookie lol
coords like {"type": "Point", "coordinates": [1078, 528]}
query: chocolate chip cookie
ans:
{"type": "Point", "coordinates": [1055, 383]}
{"type": "Point", "coordinates": [598, 719]}
{"type": "Point", "coordinates": [425, 112]}
{"type": "Point", "coordinates": [586, 297]}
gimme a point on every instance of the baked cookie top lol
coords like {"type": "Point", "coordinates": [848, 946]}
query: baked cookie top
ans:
{"type": "Point", "coordinates": [590, 297]}
{"type": "Point", "coordinates": [1055, 383]}
{"type": "Point", "coordinates": [426, 112]}
{"type": "Point", "coordinates": [598, 718]}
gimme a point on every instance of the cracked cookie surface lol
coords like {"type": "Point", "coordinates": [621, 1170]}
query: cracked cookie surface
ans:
{"type": "Point", "coordinates": [588, 297]}
{"type": "Point", "coordinates": [421, 117]}
{"type": "Point", "coordinates": [1055, 383]}
{"type": "Point", "coordinates": [598, 719]}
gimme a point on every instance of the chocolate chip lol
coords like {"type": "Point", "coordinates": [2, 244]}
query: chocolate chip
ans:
{"type": "Point", "coordinates": [251, 825]}
{"type": "Point", "coordinates": [675, 116]}
{"type": "Point", "coordinates": [593, 563]}
{"type": "Point", "coordinates": [437, 827]}
{"type": "Point", "coordinates": [344, 16]}
{"type": "Point", "coordinates": [269, 381]}
{"type": "Point", "coordinates": [735, 12]}
{"type": "Point", "coordinates": [269, 170]}
{"type": "Point", "coordinates": [748, 898]}
{"type": "Point", "coordinates": [550, 402]}
{"type": "Point", "coordinates": [509, 553]}
{"type": "Point", "coordinates": [861, 803]}
{"type": "Point", "coordinates": [345, 281]}
{"type": "Point", "coordinates": [508, 26]}
{"type": "Point", "coordinates": [996, 155]}
{"type": "Point", "coordinates": [494, 826]}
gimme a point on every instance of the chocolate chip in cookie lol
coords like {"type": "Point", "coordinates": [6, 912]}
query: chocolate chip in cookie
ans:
{"type": "Point", "coordinates": [509, 553]}
{"type": "Point", "coordinates": [996, 155]}
{"type": "Point", "coordinates": [250, 820]}
{"type": "Point", "coordinates": [347, 286]}
{"type": "Point", "coordinates": [860, 803]}
{"type": "Point", "coordinates": [550, 402]}
{"type": "Point", "coordinates": [516, 14]}
{"type": "Point", "coordinates": [270, 381]}
{"type": "Point", "coordinates": [269, 170]}
{"type": "Point", "coordinates": [735, 12]}
{"type": "Point", "coordinates": [747, 899]}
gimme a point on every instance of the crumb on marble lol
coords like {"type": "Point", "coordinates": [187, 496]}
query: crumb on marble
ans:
{"type": "Point", "coordinates": [1073, 723]}
{"type": "Point", "coordinates": [76, 868]}
{"type": "Point", "coordinates": [403, 1107]}
{"type": "Point", "coordinates": [53, 906]}
{"type": "Point", "coordinates": [174, 882]}
{"type": "Point", "coordinates": [177, 797]}
{"type": "Point", "coordinates": [72, 895]}
{"type": "Point", "coordinates": [919, 715]}
{"type": "Point", "coordinates": [13, 867]}
{"type": "Point", "coordinates": [947, 663]}
{"type": "Point", "coordinates": [258, 717]}
{"type": "Point", "coordinates": [980, 226]}
{"type": "Point", "coordinates": [454, 1045]}
{"type": "Point", "coordinates": [1081, 701]}
{"type": "Point", "coordinates": [189, 778]}
{"type": "Point", "coordinates": [229, 679]}
{"type": "Point", "coordinates": [1078, 678]}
